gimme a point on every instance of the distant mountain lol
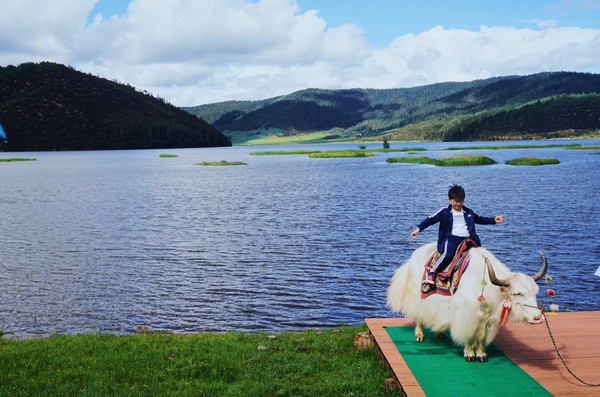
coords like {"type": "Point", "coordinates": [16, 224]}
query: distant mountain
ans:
{"type": "Point", "coordinates": [432, 112]}
{"type": "Point", "coordinates": [49, 106]}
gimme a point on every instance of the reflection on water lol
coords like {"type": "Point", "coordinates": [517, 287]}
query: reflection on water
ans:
{"type": "Point", "coordinates": [107, 241]}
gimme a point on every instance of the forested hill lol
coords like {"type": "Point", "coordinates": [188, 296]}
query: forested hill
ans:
{"type": "Point", "coordinates": [49, 106]}
{"type": "Point", "coordinates": [433, 112]}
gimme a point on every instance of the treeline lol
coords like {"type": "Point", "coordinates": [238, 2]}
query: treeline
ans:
{"type": "Point", "coordinates": [408, 113]}
{"type": "Point", "coordinates": [547, 118]}
{"type": "Point", "coordinates": [48, 106]}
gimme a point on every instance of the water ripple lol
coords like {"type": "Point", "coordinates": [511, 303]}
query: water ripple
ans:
{"type": "Point", "coordinates": [108, 241]}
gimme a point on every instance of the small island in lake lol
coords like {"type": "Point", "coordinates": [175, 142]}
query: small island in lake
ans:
{"type": "Point", "coordinates": [9, 160]}
{"type": "Point", "coordinates": [221, 163]}
{"type": "Point", "coordinates": [453, 161]}
{"type": "Point", "coordinates": [532, 161]}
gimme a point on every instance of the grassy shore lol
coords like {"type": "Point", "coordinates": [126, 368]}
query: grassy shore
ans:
{"type": "Point", "coordinates": [336, 153]}
{"type": "Point", "coordinates": [266, 138]}
{"type": "Point", "coordinates": [310, 363]}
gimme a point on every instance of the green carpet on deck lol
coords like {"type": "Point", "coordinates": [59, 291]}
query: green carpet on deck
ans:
{"type": "Point", "coordinates": [441, 370]}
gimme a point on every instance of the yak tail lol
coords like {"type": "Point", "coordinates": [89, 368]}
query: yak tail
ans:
{"type": "Point", "coordinates": [397, 290]}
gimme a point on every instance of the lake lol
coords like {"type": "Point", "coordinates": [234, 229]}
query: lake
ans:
{"type": "Point", "coordinates": [106, 241]}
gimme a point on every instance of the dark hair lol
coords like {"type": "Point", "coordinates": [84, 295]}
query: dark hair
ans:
{"type": "Point", "coordinates": [457, 193]}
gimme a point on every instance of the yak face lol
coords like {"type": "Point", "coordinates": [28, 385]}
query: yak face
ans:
{"type": "Point", "coordinates": [521, 291]}
{"type": "Point", "coordinates": [521, 297]}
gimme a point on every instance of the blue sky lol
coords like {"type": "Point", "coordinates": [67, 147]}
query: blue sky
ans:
{"type": "Point", "coordinates": [384, 20]}
{"type": "Point", "coordinates": [192, 52]}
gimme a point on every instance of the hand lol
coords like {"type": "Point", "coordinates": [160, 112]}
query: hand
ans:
{"type": "Point", "coordinates": [499, 219]}
{"type": "Point", "coordinates": [414, 233]}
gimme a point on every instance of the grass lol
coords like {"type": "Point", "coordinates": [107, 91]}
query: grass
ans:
{"type": "Point", "coordinates": [532, 161]}
{"type": "Point", "coordinates": [412, 160]}
{"type": "Point", "coordinates": [310, 363]}
{"type": "Point", "coordinates": [503, 147]}
{"type": "Point", "coordinates": [453, 161]}
{"type": "Point", "coordinates": [220, 163]}
{"type": "Point", "coordinates": [168, 155]}
{"type": "Point", "coordinates": [588, 147]}
{"type": "Point", "coordinates": [341, 154]}
{"type": "Point", "coordinates": [465, 160]}
{"type": "Point", "coordinates": [9, 160]}
{"type": "Point", "coordinates": [309, 152]}
{"type": "Point", "coordinates": [270, 138]}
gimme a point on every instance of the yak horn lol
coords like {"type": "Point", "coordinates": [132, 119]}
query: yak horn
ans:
{"type": "Point", "coordinates": [493, 278]}
{"type": "Point", "coordinates": [543, 270]}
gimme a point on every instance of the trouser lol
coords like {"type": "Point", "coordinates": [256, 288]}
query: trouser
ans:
{"type": "Point", "coordinates": [449, 251]}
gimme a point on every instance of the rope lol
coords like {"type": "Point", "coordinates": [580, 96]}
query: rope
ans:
{"type": "Point", "coordinates": [561, 358]}
{"type": "Point", "coordinates": [483, 283]}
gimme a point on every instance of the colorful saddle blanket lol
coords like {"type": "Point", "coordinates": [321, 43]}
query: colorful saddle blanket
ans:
{"type": "Point", "coordinates": [447, 281]}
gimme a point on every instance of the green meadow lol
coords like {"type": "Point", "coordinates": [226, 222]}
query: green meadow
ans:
{"type": "Point", "coordinates": [309, 363]}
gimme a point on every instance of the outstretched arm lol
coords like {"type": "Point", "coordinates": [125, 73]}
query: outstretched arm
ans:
{"type": "Point", "coordinates": [488, 220]}
{"type": "Point", "coordinates": [430, 220]}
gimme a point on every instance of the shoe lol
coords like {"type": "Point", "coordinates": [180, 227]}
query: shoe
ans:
{"type": "Point", "coordinates": [430, 279]}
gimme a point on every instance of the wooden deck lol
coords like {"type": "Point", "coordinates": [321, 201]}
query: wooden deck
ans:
{"type": "Point", "coordinates": [529, 346]}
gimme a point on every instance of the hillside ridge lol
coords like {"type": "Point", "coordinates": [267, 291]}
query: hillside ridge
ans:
{"type": "Point", "coordinates": [49, 106]}
{"type": "Point", "coordinates": [420, 113]}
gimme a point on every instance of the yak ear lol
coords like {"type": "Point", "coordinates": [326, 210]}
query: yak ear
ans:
{"type": "Point", "coordinates": [543, 270]}
{"type": "Point", "coordinates": [495, 280]}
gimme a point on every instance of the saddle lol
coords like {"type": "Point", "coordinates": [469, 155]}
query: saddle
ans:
{"type": "Point", "coordinates": [447, 281]}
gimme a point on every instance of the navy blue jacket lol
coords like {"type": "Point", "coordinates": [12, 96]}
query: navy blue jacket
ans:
{"type": "Point", "coordinates": [444, 217]}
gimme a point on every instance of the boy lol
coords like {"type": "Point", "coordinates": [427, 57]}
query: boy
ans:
{"type": "Point", "coordinates": [457, 223]}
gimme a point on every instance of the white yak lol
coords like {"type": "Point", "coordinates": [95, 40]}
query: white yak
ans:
{"type": "Point", "coordinates": [473, 320]}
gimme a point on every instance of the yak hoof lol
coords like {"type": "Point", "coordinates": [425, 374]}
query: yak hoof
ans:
{"type": "Point", "coordinates": [482, 359]}
{"type": "Point", "coordinates": [470, 359]}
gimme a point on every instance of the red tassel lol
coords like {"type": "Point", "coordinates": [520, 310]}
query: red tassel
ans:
{"type": "Point", "coordinates": [506, 306]}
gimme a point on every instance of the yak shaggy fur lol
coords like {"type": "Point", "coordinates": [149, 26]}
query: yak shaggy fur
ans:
{"type": "Point", "coordinates": [473, 323]}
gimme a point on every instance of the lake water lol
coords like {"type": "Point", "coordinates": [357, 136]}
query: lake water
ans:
{"type": "Point", "coordinates": [106, 241]}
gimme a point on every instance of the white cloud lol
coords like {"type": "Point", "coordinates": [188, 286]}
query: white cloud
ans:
{"type": "Point", "coordinates": [459, 55]}
{"type": "Point", "coordinates": [33, 30]}
{"type": "Point", "coordinates": [199, 51]}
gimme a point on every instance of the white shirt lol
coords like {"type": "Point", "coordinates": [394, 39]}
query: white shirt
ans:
{"type": "Point", "coordinates": [459, 226]}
